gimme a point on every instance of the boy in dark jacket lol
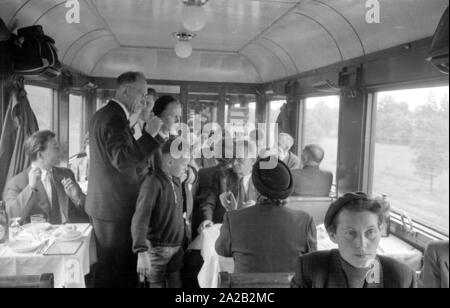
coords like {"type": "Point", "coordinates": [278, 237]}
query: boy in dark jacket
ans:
{"type": "Point", "coordinates": [158, 224]}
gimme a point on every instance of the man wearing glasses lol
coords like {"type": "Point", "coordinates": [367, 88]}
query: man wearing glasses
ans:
{"type": "Point", "coordinates": [116, 158]}
{"type": "Point", "coordinates": [146, 113]}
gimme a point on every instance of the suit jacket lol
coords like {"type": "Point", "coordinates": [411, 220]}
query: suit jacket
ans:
{"type": "Point", "coordinates": [22, 201]}
{"type": "Point", "coordinates": [266, 238]}
{"type": "Point", "coordinates": [116, 161]}
{"type": "Point", "coordinates": [312, 182]}
{"type": "Point", "coordinates": [201, 190]}
{"type": "Point", "coordinates": [435, 268]}
{"type": "Point", "coordinates": [223, 181]}
{"type": "Point", "coordinates": [323, 269]}
{"type": "Point", "coordinates": [292, 161]}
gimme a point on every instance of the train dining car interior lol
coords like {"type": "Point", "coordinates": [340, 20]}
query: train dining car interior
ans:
{"type": "Point", "coordinates": [349, 101]}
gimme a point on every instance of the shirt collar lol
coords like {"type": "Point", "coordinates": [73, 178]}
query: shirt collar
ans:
{"type": "Point", "coordinates": [127, 113]}
{"type": "Point", "coordinates": [43, 171]}
{"type": "Point", "coordinates": [164, 136]}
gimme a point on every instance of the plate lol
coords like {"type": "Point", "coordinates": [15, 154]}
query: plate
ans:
{"type": "Point", "coordinates": [38, 227]}
{"type": "Point", "coordinates": [65, 236]}
{"type": "Point", "coordinates": [24, 246]}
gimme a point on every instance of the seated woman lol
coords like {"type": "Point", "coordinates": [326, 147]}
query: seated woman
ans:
{"type": "Point", "coordinates": [435, 266]}
{"type": "Point", "coordinates": [354, 223]}
{"type": "Point", "coordinates": [267, 237]}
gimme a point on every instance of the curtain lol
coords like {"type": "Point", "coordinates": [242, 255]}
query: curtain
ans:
{"type": "Point", "coordinates": [20, 123]}
{"type": "Point", "coordinates": [283, 121]}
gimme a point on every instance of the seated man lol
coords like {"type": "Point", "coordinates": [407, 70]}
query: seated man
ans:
{"type": "Point", "coordinates": [231, 189]}
{"type": "Point", "coordinates": [435, 266]}
{"type": "Point", "coordinates": [268, 238]}
{"type": "Point", "coordinates": [354, 223]}
{"type": "Point", "coordinates": [285, 144]}
{"type": "Point", "coordinates": [45, 189]}
{"type": "Point", "coordinates": [311, 181]}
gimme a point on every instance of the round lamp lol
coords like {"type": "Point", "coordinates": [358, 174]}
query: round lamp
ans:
{"type": "Point", "coordinates": [194, 18]}
{"type": "Point", "coordinates": [183, 49]}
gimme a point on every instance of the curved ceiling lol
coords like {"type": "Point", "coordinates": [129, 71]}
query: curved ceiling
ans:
{"type": "Point", "coordinates": [245, 41]}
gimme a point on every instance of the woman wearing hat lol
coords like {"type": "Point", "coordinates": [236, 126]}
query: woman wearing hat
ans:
{"type": "Point", "coordinates": [353, 222]}
{"type": "Point", "coordinates": [267, 238]}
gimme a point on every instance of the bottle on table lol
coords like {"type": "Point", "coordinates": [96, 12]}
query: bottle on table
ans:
{"type": "Point", "coordinates": [14, 228]}
{"type": "Point", "coordinates": [3, 223]}
{"type": "Point", "coordinates": [386, 227]}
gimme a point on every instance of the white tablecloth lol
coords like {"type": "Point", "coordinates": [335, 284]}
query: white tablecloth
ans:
{"type": "Point", "coordinates": [68, 271]}
{"type": "Point", "coordinates": [214, 264]}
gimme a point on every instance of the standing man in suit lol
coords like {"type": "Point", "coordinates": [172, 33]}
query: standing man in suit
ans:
{"type": "Point", "coordinates": [113, 178]}
{"type": "Point", "coordinates": [311, 181]}
{"type": "Point", "coordinates": [268, 238]}
{"type": "Point", "coordinates": [45, 189]}
{"type": "Point", "coordinates": [232, 189]}
{"type": "Point", "coordinates": [285, 144]}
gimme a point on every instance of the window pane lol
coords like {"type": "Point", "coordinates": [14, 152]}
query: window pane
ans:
{"type": "Point", "coordinates": [202, 109]}
{"type": "Point", "coordinates": [41, 101]}
{"type": "Point", "coordinates": [241, 112]}
{"type": "Point", "coordinates": [75, 124]}
{"type": "Point", "coordinates": [321, 127]}
{"type": "Point", "coordinates": [412, 153]}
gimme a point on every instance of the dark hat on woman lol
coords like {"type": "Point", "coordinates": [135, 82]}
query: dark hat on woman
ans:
{"type": "Point", "coordinates": [276, 183]}
{"type": "Point", "coordinates": [337, 206]}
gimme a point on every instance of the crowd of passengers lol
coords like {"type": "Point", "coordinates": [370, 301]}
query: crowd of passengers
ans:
{"type": "Point", "coordinates": [147, 205]}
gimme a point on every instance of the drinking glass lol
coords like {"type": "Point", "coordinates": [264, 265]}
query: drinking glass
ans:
{"type": "Point", "coordinates": [36, 219]}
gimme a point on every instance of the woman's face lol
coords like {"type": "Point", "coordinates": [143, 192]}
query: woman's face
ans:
{"type": "Point", "coordinates": [172, 115]}
{"type": "Point", "coordinates": [358, 236]}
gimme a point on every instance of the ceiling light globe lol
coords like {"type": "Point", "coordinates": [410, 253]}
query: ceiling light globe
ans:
{"type": "Point", "coordinates": [194, 18]}
{"type": "Point", "coordinates": [183, 49]}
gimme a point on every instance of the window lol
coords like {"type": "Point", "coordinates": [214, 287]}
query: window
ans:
{"type": "Point", "coordinates": [75, 124]}
{"type": "Point", "coordinates": [411, 160]}
{"type": "Point", "coordinates": [240, 112]}
{"type": "Point", "coordinates": [321, 127]}
{"type": "Point", "coordinates": [41, 101]}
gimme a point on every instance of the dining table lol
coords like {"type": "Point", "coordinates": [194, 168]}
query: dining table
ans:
{"type": "Point", "coordinates": [53, 256]}
{"type": "Point", "coordinates": [208, 276]}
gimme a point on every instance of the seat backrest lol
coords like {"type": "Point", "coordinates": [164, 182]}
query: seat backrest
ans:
{"type": "Point", "coordinates": [45, 281]}
{"type": "Point", "coordinates": [255, 280]}
{"type": "Point", "coordinates": [316, 207]}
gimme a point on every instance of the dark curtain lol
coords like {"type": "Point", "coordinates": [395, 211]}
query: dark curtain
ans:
{"type": "Point", "coordinates": [283, 121]}
{"type": "Point", "coordinates": [19, 123]}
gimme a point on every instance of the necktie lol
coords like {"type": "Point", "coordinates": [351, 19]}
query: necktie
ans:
{"type": "Point", "coordinates": [242, 195]}
{"type": "Point", "coordinates": [55, 213]}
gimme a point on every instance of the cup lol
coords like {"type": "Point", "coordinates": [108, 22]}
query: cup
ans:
{"type": "Point", "coordinates": [37, 219]}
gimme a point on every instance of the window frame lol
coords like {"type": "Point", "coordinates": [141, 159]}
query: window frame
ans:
{"type": "Point", "coordinates": [421, 234]}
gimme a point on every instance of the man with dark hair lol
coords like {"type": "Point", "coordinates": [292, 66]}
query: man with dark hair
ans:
{"type": "Point", "coordinates": [231, 189]}
{"type": "Point", "coordinates": [115, 164]}
{"type": "Point", "coordinates": [45, 189]}
{"type": "Point", "coordinates": [311, 181]}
